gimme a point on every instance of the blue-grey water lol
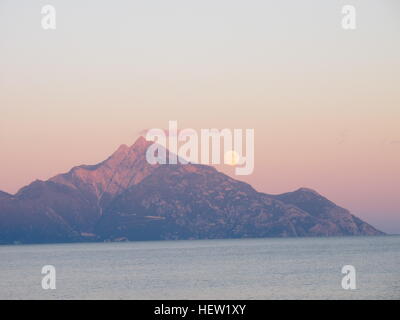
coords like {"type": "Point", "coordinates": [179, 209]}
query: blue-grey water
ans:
{"type": "Point", "coordinates": [290, 268]}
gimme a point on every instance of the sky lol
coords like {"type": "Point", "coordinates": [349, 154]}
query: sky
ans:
{"type": "Point", "coordinates": [324, 102]}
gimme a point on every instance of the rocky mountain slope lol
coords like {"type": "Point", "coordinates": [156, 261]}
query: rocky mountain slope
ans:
{"type": "Point", "coordinates": [124, 197]}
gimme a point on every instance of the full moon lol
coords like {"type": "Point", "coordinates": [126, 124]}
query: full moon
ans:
{"type": "Point", "coordinates": [231, 158]}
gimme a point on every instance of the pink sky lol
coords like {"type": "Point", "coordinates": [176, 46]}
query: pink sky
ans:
{"type": "Point", "coordinates": [324, 103]}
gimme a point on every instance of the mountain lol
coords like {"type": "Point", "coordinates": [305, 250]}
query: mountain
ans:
{"type": "Point", "coordinates": [124, 197]}
{"type": "Point", "coordinates": [99, 184]}
{"type": "Point", "coordinates": [334, 220]}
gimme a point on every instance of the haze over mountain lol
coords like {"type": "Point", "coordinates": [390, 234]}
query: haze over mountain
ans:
{"type": "Point", "coordinates": [124, 197]}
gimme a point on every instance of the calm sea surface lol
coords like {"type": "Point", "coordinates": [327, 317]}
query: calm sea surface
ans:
{"type": "Point", "coordinates": [305, 268]}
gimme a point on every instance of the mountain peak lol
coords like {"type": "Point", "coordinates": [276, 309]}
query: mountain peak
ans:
{"type": "Point", "coordinates": [126, 167]}
{"type": "Point", "coordinates": [141, 143]}
{"type": "Point", "coordinates": [138, 147]}
{"type": "Point", "coordinates": [308, 190]}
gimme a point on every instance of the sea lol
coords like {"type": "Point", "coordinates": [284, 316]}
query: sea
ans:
{"type": "Point", "coordinates": [269, 268]}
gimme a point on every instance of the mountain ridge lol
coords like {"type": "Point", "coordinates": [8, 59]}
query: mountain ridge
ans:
{"type": "Point", "coordinates": [124, 197]}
